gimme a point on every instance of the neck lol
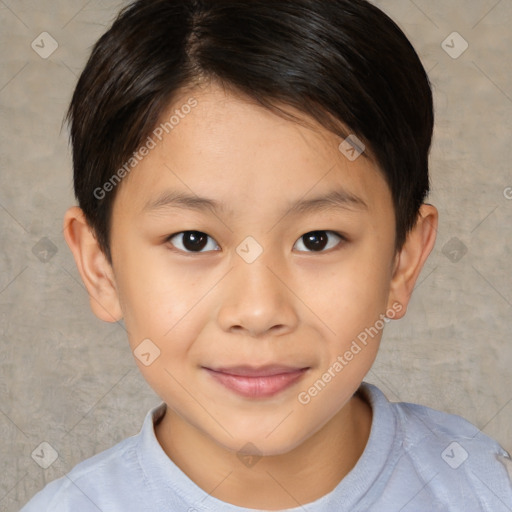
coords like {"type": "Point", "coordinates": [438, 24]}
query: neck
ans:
{"type": "Point", "coordinates": [289, 480]}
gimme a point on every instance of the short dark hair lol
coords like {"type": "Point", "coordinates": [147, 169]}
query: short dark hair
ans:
{"type": "Point", "coordinates": [343, 63]}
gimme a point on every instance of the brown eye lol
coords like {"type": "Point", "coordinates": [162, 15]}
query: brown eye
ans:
{"type": "Point", "coordinates": [317, 241]}
{"type": "Point", "coordinates": [192, 241]}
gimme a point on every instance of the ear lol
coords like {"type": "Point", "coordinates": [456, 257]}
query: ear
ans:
{"type": "Point", "coordinates": [410, 260]}
{"type": "Point", "coordinates": [94, 268]}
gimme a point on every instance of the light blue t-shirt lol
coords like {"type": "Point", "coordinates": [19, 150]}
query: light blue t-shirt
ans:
{"type": "Point", "coordinates": [416, 460]}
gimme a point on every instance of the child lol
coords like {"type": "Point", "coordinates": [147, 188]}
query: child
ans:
{"type": "Point", "coordinates": [251, 178]}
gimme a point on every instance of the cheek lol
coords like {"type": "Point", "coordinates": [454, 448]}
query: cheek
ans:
{"type": "Point", "coordinates": [146, 296]}
{"type": "Point", "coordinates": [357, 289]}
{"type": "Point", "coordinates": [163, 316]}
{"type": "Point", "coordinates": [350, 301]}
{"type": "Point", "coordinates": [162, 301]}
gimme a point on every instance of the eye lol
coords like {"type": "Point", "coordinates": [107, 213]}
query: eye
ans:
{"type": "Point", "coordinates": [317, 241]}
{"type": "Point", "coordinates": [192, 241]}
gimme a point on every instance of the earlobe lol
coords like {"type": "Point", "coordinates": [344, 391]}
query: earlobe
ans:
{"type": "Point", "coordinates": [94, 268]}
{"type": "Point", "coordinates": [409, 262]}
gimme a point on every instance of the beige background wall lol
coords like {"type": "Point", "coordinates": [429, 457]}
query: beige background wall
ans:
{"type": "Point", "coordinates": [69, 380]}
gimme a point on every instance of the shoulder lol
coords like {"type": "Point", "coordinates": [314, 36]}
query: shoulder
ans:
{"type": "Point", "coordinates": [424, 428]}
{"type": "Point", "coordinates": [89, 485]}
{"type": "Point", "coordinates": [84, 485]}
{"type": "Point", "coordinates": [449, 454]}
{"type": "Point", "coordinates": [418, 425]}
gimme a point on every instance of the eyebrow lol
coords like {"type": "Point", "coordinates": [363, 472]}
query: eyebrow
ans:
{"type": "Point", "coordinates": [334, 200]}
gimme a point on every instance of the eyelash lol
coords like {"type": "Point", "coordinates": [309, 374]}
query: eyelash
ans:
{"type": "Point", "coordinates": [339, 235]}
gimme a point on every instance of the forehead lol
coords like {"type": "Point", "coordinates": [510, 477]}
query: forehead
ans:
{"type": "Point", "coordinates": [242, 155]}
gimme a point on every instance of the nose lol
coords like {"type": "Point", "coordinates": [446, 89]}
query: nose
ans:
{"type": "Point", "coordinates": [257, 301]}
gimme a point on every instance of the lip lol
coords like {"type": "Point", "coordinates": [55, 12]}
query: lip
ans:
{"type": "Point", "coordinates": [257, 382]}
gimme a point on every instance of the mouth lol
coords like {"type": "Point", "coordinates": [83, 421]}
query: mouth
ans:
{"type": "Point", "coordinates": [257, 382]}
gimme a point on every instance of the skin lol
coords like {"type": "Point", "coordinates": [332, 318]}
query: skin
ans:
{"type": "Point", "coordinates": [291, 306]}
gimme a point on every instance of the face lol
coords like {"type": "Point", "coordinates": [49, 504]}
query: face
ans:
{"type": "Point", "coordinates": [249, 255]}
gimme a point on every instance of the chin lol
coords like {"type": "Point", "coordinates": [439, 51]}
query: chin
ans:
{"type": "Point", "coordinates": [262, 444]}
